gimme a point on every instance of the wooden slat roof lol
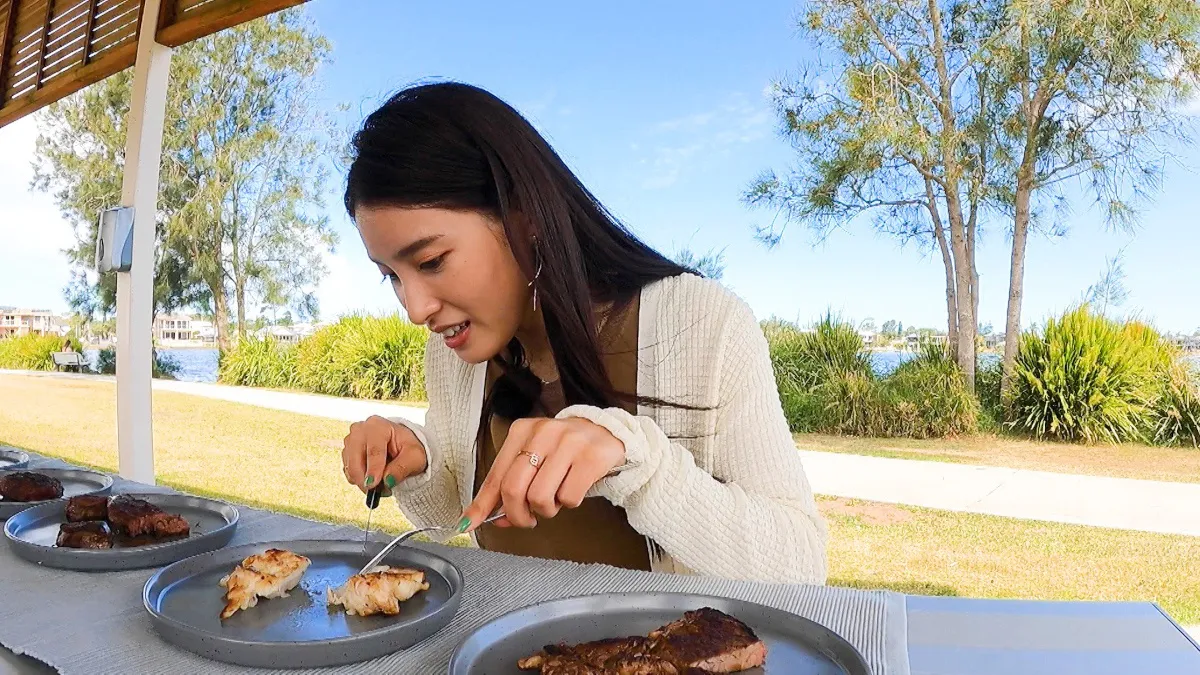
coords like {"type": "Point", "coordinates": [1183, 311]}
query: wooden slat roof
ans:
{"type": "Point", "coordinates": [52, 48]}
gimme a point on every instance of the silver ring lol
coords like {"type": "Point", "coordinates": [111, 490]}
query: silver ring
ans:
{"type": "Point", "coordinates": [535, 460]}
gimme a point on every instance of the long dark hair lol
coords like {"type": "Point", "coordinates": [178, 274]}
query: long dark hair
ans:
{"type": "Point", "coordinates": [452, 145]}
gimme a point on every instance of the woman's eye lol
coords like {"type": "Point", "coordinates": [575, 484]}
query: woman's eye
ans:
{"type": "Point", "coordinates": [390, 277]}
{"type": "Point", "coordinates": [433, 264]}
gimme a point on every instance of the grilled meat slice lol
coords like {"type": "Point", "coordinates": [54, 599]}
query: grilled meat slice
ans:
{"type": "Point", "coordinates": [135, 517]}
{"type": "Point", "coordinates": [613, 656]}
{"type": "Point", "coordinates": [709, 640]}
{"type": "Point", "coordinates": [567, 666]}
{"type": "Point", "coordinates": [620, 665]}
{"type": "Point", "coordinates": [594, 653]}
{"type": "Point", "coordinates": [28, 486]}
{"type": "Point", "coordinates": [379, 591]}
{"type": "Point", "coordinates": [703, 642]}
{"type": "Point", "coordinates": [270, 574]}
{"type": "Point", "coordinates": [88, 534]}
{"type": "Point", "coordinates": [87, 507]}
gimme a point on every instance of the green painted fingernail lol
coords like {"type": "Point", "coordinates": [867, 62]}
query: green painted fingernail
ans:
{"type": "Point", "coordinates": [464, 524]}
{"type": "Point", "coordinates": [390, 480]}
{"type": "Point", "coordinates": [370, 479]}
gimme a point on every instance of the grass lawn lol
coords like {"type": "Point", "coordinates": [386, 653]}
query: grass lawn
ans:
{"type": "Point", "coordinates": [291, 463]}
{"type": "Point", "coordinates": [246, 454]}
{"type": "Point", "coordinates": [1119, 461]}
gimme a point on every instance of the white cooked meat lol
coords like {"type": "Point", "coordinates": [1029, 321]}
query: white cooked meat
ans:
{"type": "Point", "coordinates": [379, 591]}
{"type": "Point", "coordinates": [270, 574]}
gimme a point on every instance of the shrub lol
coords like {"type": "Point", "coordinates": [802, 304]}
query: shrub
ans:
{"type": "Point", "coordinates": [852, 403]}
{"type": "Point", "coordinates": [806, 363]}
{"type": "Point", "coordinates": [987, 389]}
{"type": "Point", "coordinates": [165, 367]}
{"type": "Point", "coordinates": [257, 363]}
{"type": "Point", "coordinates": [805, 360]}
{"type": "Point", "coordinates": [1087, 378]}
{"type": "Point", "coordinates": [928, 397]}
{"type": "Point", "coordinates": [30, 352]}
{"type": "Point", "coordinates": [1176, 419]}
{"type": "Point", "coordinates": [359, 356]}
{"type": "Point", "coordinates": [106, 363]}
{"type": "Point", "coordinates": [826, 384]}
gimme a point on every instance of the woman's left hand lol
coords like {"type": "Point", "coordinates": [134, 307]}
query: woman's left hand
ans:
{"type": "Point", "coordinates": [544, 466]}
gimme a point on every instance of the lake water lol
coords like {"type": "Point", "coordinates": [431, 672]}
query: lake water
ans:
{"type": "Point", "coordinates": [200, 365]}
{"type": "Point", "coordinates": [196, 365]}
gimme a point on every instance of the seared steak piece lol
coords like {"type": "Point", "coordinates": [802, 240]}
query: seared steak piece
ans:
{"type": "Point", "coordinates": [27, 486]}
{"type": "Point", "coordinates": [87, 507]}
{"type": "Point", "coordinates": [135, 517]}
{"type": "Point", "coordinates": [600, 656]}
{"type": "Point", "coordinates": [89, 534]}
{"type": "Point", "coordinates": [703, 642]}
{"type": "Point", "coordinates": [709, 640]}
{"type": "Point", "coordinates": [620, 665]}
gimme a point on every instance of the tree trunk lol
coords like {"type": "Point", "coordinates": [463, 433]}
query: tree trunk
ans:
{"type": "Point", "coordinates": [974, 269]}
{"type": "Point", "coordinates": [962, 278]}
{"type": "Point", "coordinates": [951, 293]}
{"type": "Point", "coordinates": [939, 233]}
{"type": "Point", "coordinates": [239, 291]}
{"type": "Point", "coordinates": [221, 311]}
{"type": "Point", "coordinates": [1016, 282]}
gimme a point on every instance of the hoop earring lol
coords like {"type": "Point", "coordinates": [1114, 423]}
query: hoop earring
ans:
{"type": "Point", "coordinates": [533, 284]}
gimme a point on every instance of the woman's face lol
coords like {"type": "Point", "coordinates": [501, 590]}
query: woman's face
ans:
{"type": "Point", "coordinates": [452, 271]}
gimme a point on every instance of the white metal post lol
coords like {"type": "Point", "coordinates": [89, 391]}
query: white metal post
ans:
{"type": "Point", "coordinates": [135, 288]}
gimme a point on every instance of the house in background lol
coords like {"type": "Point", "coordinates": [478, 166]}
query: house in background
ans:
{"type": "Point", "coordinates": [914, 340]}
{"type": "Point", "coordinates": [1188, 343]}
{"type": "Point", "coordinates": [16, 322]}
{"type": "Point", "coordinates": [183, 330]}
{"type": "Point", "coordinates": [288, 335]}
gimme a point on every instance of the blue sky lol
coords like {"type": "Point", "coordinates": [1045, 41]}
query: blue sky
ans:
{"type": "Point", "coordinates": [660, 108]}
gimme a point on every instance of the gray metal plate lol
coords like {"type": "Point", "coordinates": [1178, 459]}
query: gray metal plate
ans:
{"type": "Point", "coordinates": [795, 645]}
{"type": "Point", "coordinates": [11, 458]}
{"type": "Point", "coordinates": [75, 482]}
{"type": "Point", "coordinates": [32, 533]}
{"type": "Point", "coordinates": [300, 631]}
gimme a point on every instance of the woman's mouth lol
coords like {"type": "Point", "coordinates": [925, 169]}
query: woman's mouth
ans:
{"type": "Point", "coordinates": [456, 336]}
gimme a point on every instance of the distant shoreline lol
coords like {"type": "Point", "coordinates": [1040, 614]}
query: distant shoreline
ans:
{"type": "Point", "coordinates": [107, 345]}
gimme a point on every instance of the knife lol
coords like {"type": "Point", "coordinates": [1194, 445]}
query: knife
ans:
{"type": "Point", "coordinates": [372, 504]}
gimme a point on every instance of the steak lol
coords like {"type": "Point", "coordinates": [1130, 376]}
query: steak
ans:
{"type": "Point", "coordinates": [87, 507]}
{"type": "Point", "coordinates": [709, 640]}
{"type": "Point", "coordinates": [703, 642]}
{"type": "Point", "coordinates": [27, 486]}
{"type": "Point", "coordinates": [89, 534]}
{"type": "Point", "coordinates": [133, 517]}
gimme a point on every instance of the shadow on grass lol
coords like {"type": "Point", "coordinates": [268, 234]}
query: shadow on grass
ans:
{"type": "Point", "coordinates": [906, 587]}
{"type": "Point", "coordinates": [188, 487]}
{"type": "Point", "coordinates": [43, 453]}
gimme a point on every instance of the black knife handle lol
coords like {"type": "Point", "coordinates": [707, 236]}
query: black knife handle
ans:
{"type": "Point", "coordinates": [373, 496]}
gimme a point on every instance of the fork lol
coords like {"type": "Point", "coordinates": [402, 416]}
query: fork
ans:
{"type": "Point", "coordinates": [411, 533]}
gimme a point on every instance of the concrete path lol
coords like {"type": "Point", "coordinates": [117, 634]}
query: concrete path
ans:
{"type": "Point", "coordinates": [346, 409]}
{"type": "Point", "coordinates": [1151, 506]}
{"type": "Point", "coordinates": [332, 407]}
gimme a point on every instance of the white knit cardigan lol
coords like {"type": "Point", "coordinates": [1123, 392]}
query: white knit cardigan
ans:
{"type": "Point", "coordinates": [720, 491]}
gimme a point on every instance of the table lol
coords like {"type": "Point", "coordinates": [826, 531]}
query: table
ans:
{"type": "Point", "coordinates": [945, 635]}
{"type": "Point", "coordinates": [955, 636]}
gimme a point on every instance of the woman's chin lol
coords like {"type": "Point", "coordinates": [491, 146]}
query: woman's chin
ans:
{"type": "Point", "coordinates": [473, 353]}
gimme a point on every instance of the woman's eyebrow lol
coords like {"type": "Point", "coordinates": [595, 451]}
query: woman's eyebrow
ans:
{"type": "Point", "coordinates": [411, 249]}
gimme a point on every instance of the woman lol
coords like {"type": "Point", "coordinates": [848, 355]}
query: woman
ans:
{"type": "Point", "coordinates": [617, 407]}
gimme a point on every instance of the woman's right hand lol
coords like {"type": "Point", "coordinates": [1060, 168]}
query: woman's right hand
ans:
{"type": "Point", "coordinates": [378, 449]}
